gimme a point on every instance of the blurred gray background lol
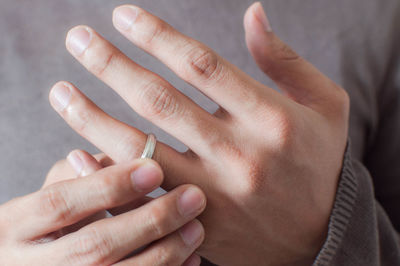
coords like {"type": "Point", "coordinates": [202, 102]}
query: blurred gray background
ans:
{"type": "Point", "coordinates": [343, 38]}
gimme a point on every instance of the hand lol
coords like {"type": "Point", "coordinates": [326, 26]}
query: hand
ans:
{"type": "Point", "coordinates": [31, 225]}
{"type": "Point", "coordinates": [268, 163]}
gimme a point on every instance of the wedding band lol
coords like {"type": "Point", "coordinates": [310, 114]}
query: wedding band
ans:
{"type": "Point", "coordinates": [149, 147]}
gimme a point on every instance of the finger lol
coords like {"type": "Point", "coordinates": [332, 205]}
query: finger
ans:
{"type": "Point", "coordinates": [68, 202]}
{"type": "Point", "coordinates": [80, 163]}
{"type": "Point", "coordinates": [130, 206]}
{"type": "Point", "coordinates": [193, 260]}
{"type": "Point", "coordinates": [104, 160]}
{"type": "Point", "coordinates": [83, 163]}
{"type": "Point", "coordinates": [118, 140]}
{"type": "Point", "coordinates": [63, 170]}
{"type": "Point", "coordinates": [191, 60]}
{"type": "Point", "coordinates": [174, 249]}
{"type": "Point", "coordinates": [147, 93]}
{"type": "Point", "coordinates": [108, 241]}
{"type": "Point", "coordinates": [299, 79]}
{"type": "Point", "coordinates": [86, 164]}
{"type": "Point", "coordinates": [60, 171]}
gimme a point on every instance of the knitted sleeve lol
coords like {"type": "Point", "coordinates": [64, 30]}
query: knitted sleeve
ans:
{"type": "Point", "coordinates": [360, 232]}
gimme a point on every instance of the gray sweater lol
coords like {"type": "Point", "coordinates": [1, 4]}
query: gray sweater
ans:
{"type": "Point", "coordinates": [354, 42]}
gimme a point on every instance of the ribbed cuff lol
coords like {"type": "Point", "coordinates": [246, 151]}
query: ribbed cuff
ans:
{"type": "Point", "coordinates": [341, 213]}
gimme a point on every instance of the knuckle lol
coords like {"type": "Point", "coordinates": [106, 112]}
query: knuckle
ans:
{"type": "Point", "coordinates": [281, 130]}
{"type": "Point", "coordinates": [278, 52]}
{"type": "Point", "coordinates": [100, 65]}
{"type": "Point", "coordinates": [286, 53]}
{"type": "Point", "coordinates": [155, 32]}
{"type": "Point", "coordinates": [53, 203]}
{"type": "Point", "coordinates": [158, 101]}
{"type": "Point", "coordinates": [217, 141]}
{"type": "Point", "coordinates": [158, 221]}
{"type": "Point", "coordinates": [255, 177]}
{"type": "Point", "coordinates": [227, 148]}
{"type": "Point", "coordinates": [90, 248]}
{"type": "Point", "coordinates": [80, 117]}
{"type": "Point", "coordinates": [201, 63]}
{"type": "Point", "coordinates": [130, 145]}
{"type": "Point", "coordinates": [104, 187]}
{"type": "Point", "coordinates": [165, 256]}
{"type": "Point", "coordinates": [243, 164]}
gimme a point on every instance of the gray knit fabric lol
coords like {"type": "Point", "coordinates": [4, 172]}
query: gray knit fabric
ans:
{"type": "Point", "coordinates": [360, 233]}
{"type": "Point", "coordinates": [341, 213]}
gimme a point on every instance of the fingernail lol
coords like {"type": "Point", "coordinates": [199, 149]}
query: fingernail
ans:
{"type": "Point", "coordinates": [75, 161]}
{"type": "Point", "coordinates": [79, 40]}
{"type": "Point", "coordinates": [193, 260]}
{"type": "Point", "coordinates": [191, 233]}
{"type": "Point", "coordinates": [191, 202]}
{"type": "Point", "coordinates": [146, 177]}
{"type": "Point", "coordinates": [260, 13]}
{"type": "Point", "coordinates": [61, 96]}
{"type": "Point", "coordinates": [124, 17]}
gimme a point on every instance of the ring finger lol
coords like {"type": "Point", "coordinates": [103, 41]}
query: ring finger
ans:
{"type": "Point", "coordinates": [147, 93]}
{"type": "Point", "coordinates": [123, 142]}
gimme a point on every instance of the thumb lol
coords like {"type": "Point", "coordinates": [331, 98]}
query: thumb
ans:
{"type": "Point", "coordinates": [296, 77]}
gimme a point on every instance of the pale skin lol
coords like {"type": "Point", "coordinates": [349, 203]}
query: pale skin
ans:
{"type": "Point", "coordinates": [268, 163]}
{"type": "Point", "coordinates": [64, 222]}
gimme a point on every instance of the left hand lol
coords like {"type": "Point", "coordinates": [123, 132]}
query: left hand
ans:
{"type": "Point", "coordinates": [268, 163]}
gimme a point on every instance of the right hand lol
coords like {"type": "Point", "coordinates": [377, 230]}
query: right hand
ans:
{"type": "Point", "coordinates": [165, 224]}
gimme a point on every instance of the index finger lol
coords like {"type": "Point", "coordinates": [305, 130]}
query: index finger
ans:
{"type": "Point", "coordinates": [65, 203]}
{"type": "Point", "coordinates": [191, 60]}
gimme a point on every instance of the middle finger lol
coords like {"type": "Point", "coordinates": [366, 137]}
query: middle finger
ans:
{"type": "Point", "coordinates": [147, 93]}
{"type": "Point", "coordinates": [191, 60]}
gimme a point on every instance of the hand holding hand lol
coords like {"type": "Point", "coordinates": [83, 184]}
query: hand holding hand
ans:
{"type": "Point", "coordinates": [34, 225]}
{"type": "Point", "coordinates": [268, 163]}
